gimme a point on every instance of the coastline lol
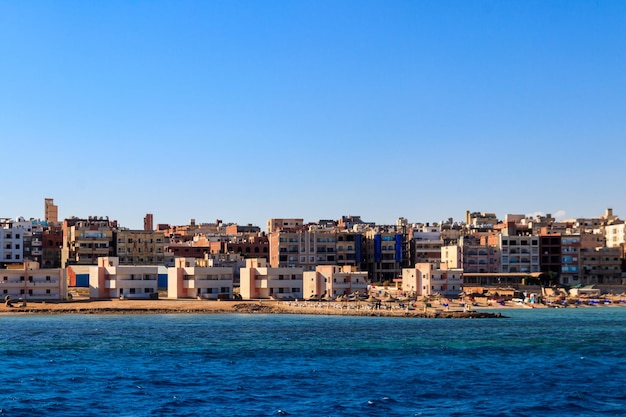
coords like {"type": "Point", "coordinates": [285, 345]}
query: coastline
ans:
{"type": "Point", "coordinates": [166, 306]}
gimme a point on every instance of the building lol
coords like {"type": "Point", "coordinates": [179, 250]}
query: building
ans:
{"type": "Point", "coordinates": [428, 279]}
{"type": "Point", "coordinates": [275, 225]}
{"type": "Point", "coordinates": [148, 222]}
{"type": "Point", "coordinates": [86, 240]}
{"type": "Point", "coordinates": [31, 283]}
{"type": "Point", "coordinates": [472, 254]}
{"type": "Point", "coordinates": [258, 280]}
{"type": "Point", "coordinates": [52, 242]}
{"type": "Point", "coordinates": [51, 212]}
{"type": "Point", "coordinates": [11, 242]}
{"type": "Point", "coordinates": [349, 249]}
{"type": "Point", "coordinates": [192, 278]}
{"type": "Point", "coordinates": [109, 279]}
{"type": "Point", "coordinates": [569, 273]}
{"type": "Point", "coordinates": [615, 235]}
{"type": "Point", "coordinates": [518, 253]}
{"type": "Point", "coordinates": [383, 260]}
{"type": "Point", "coordinates": [331, 281]}
{"type": "Point", "coordinates": [425, 243]}
{"type": "Point", "coordinates": [302, 248]}
{"type": "Point", "coordinates": [139, 247]}
{"type": "Point", "coordinates": [601, 266]}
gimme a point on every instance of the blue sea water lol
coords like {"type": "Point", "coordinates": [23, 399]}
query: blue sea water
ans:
{"type": "Point", "coordinates": [533, 363]}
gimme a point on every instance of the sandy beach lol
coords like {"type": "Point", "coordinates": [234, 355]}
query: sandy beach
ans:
{"type": "Point", "coordinates": [166, 306]}
{"type": "Point", "coordinates": [436, 308]}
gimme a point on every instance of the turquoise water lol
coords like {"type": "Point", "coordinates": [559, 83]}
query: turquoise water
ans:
{"type": "Point", "coordinates": [536, 362]}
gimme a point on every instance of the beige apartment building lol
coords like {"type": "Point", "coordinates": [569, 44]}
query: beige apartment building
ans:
{"type": "Point", "coordinates": [258, 280]}
{"type": "Point", "coordinates": [427, 279]}
{"type": "Point", "coordinates": [86, 240]}
{"type": "Point", "coordinates": [304, 249]}
{"type": "Point", "coordinates": [602, 266]}
{"type": "Point", "coordinates": [109, 279]}
{"type": "Point", "coordinates": [472, 254]}
{"type": "Point", "coordinates": [331, 281]}
{"type": "Point", "coordinates": [32, 283]}
{"type": "Point", "coordinates": [198, 278]}
{"type": "Point", "coordinates": [139, 247]}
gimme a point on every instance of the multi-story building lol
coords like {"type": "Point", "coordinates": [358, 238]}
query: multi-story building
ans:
{"type": "Point", "coordinates": [52, 243]}
{"type": "Point", "coordinates": [601, 266]}
{"type": "Point", "coordinates": [11, 242]}
{"type": "Point", "coordinates": [428, 278]}
{"type": "Point", "coordinates": [569, 273]}
{"type": "Point", "coordinates": [275, 225]}
{"type": "Point", "coordinates": [51, 212]}
{"type": "Point", "coordinates": [472, 254]}
{"type": "Point", "coordinates": [331, 281]}
{"type": "Point", "coordinates": [551, 252]}
{"type": "Point", "coordinates": [349, 248]}
{"type": "Point", "coordinates": [383, 258]}
{"type": "Point", "coordinates": [258, 280]}
{"type": "Point", "coordinates": [303, 249]}
{"type": "Point", "coordinates": [191, 278]}
{"type": "Point", "coordinates": [425, 243]}
{"type": "Point", "coordinates": [480, 221]}
{"type": "Point", "coordinates": [32, 283]}
{"type": "Point", "coordinates": [86, 240]}
{"type": "Point", "coordinates": [615, 235]}
{"type": "Point", "coordinates": [109, 279]}
{"type": "Point", "coordinates": [148, 222]}
{"type": "Point", "coordinates": [139, 247]}
{"type": "Point", "coordinates": [518, 253]}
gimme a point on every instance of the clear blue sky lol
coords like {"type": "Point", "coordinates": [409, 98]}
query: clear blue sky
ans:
{"type": "Point", "coordinates": [246, 110]}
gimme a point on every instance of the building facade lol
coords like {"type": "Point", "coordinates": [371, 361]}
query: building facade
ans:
{"type": "Point", "coordinates": [86, 240]}
{"type": "Point", "coordinates": [429, 279]}
{"type": "Point", "coordinates": [109, 279]}
{"type": "Point", "coordinates": [331, 281]}
{"type": "Point", "coordinates": [139, 247]}
{"type": "Point", "coordinates": [258, 280]}
{"type": "Point", "coordinates": [189, 278]}
{"type": "Point", "coordinates": [32, 283]}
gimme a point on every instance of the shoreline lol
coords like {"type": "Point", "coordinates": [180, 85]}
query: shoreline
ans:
{"type": "Point", "coordinates": [190, 306]}
{"type": "Point", "coordinates": [166, 306]}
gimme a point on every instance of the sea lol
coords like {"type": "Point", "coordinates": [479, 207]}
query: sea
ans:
{"type": "Point", "coordinates": [533, 362]}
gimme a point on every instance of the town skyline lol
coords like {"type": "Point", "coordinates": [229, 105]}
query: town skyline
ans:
{"type": "Point", "coordinates": [560, 215]}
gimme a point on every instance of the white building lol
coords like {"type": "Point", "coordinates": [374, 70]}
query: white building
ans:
{"type": "Point", "coordinates": [519, 253]}
{"type": "Point", "coordinates": [33, 284]}
{"type": "Point", "coordinates": [428, 279]}
{"type": "Point", "coordinates": [192, 278]}
{"type": "Point", "coordinates": [257, 280]}
{"type": "Point", "coordinates": [11, 242]}
{"type": "Point", "coordinates": [615, 235]}
{"type": "Point", "coordinates": [109, 279]}
{"type": "Point", "coordinates": [330, 281]}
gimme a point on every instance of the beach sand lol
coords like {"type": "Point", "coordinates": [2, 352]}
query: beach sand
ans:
{"type": "Point", "coordinates": [166, 306]}
{"type": "Point", "coordinates": [436, 308]}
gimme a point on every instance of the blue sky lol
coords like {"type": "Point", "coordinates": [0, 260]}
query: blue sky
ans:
{"type": "Point", "coordinates": [246, 110]}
